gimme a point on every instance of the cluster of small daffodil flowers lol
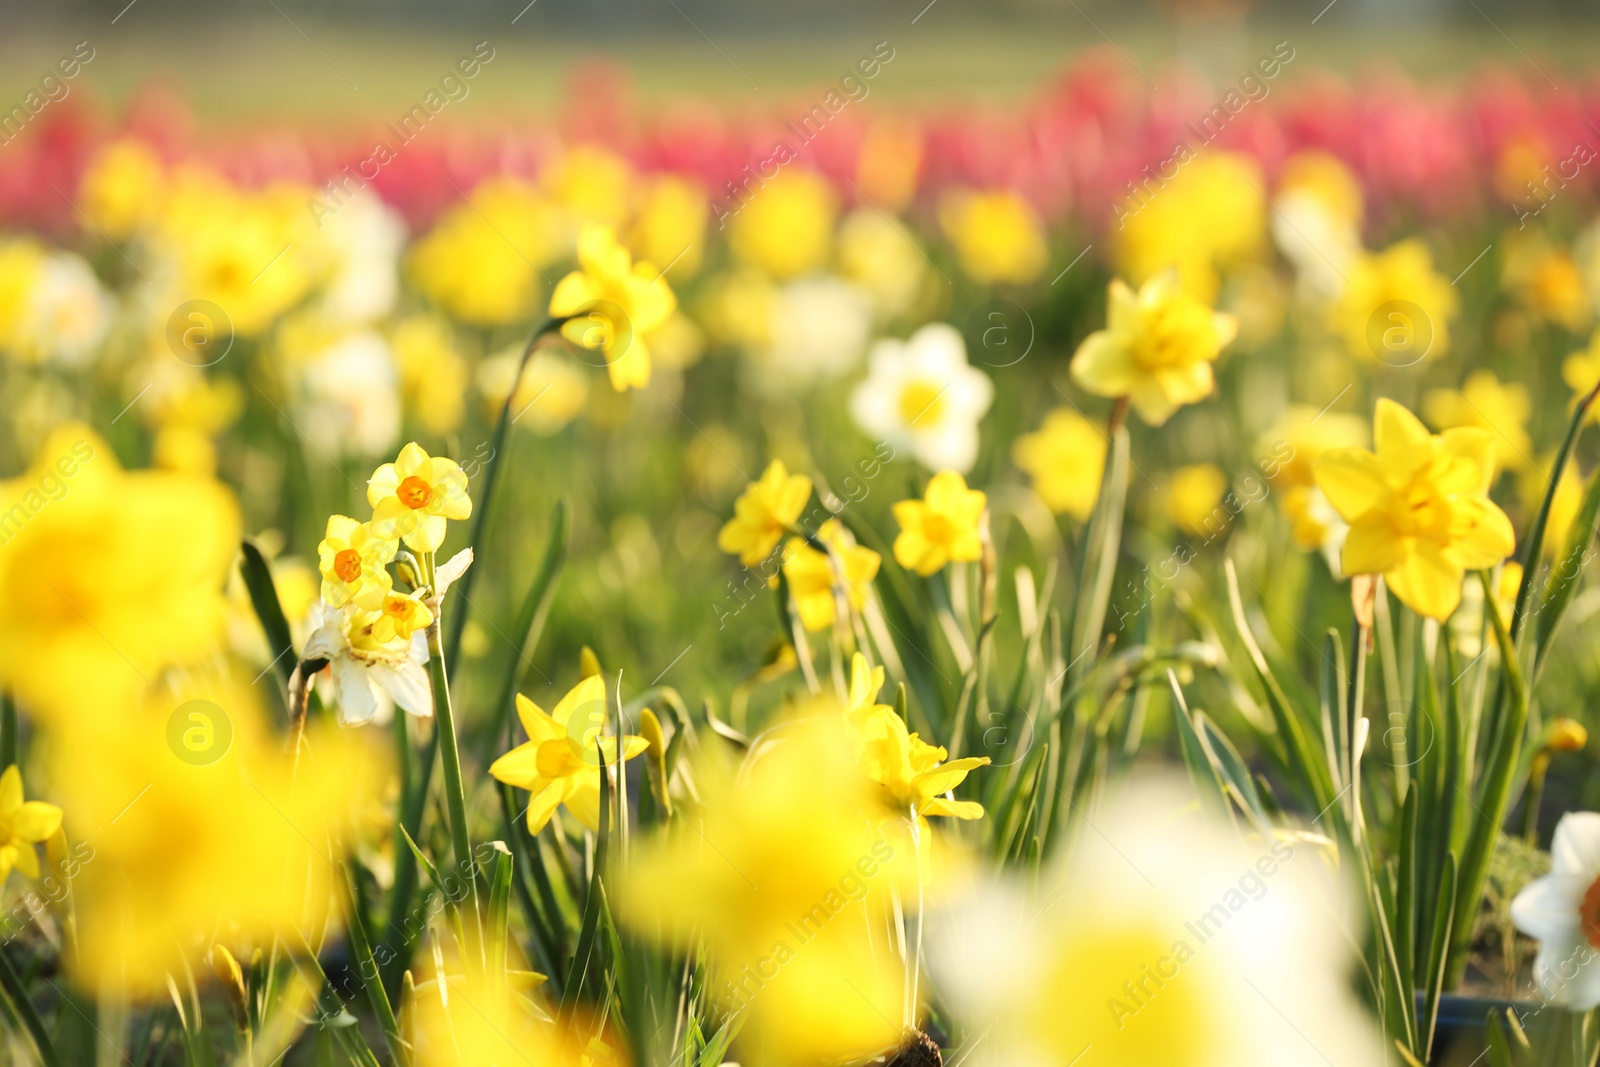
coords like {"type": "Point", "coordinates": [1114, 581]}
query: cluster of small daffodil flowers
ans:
{"type": "Point", "coordinates": [369, 633]}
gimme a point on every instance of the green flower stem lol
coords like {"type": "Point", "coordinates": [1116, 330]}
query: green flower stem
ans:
{"type": "Point", "coordinates": [444, 730]}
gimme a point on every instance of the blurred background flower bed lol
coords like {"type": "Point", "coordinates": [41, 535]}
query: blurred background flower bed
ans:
{"type": "Point", "coordinates": [877, 489]}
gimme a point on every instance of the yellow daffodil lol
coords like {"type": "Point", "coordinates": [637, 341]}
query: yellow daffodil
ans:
{"type": "Point", "coordinates": [23, 824]}
{"type": "Point", "coordinates": [481, 260]}
{"type": "Point", "coordinates": [813, 584]}
{"type": "Point", "coordinates": [462, 1015]}
{"type": "Point", "coordinates": [764, 512]}
{"type": "Point", "coordinates": [352, 561]}
{"type": "Point", "coordinates": [608, 284]}
{"type": "Point", "coordinates": [1157, 348]}
{"type": "Point", "coordinates": [198, 824]}
{"type": "Point", "coordinates": [1485, 402]}
{"type": "Point", "coordinates": [559, 764]}
{"type": "Point", "coordinates": [1546, 280]}
{"type": "Point", "coordinates": [413, 497]}
{"type": "Point", "coordinates": [787, 881]}
{"type": "Point", "coordinates": [997, 235]}
{"type": "Point", "coordinates": [1418, 508]}
{"type": "Point", "coordinates": [398, 618]}
{"type": "Point", "coordinates": [1064, 460]}
{"type": "Point", "coordinates": [1212, 215]}
{"type": "Point", "coordinates": [1395, 307]}
{"type": "Point", "coordinates": [122, 188]}
{"type": "Point", "coordinates": [909, 771]}
{"type": "Point", "coordinates": [944, 526]}
{"type": "Point", "coordinates": [785, 228]}
{"type": "Point", "coordinates": [107, 576]}
{"type": "Point", "coordinates": [1192, 500]}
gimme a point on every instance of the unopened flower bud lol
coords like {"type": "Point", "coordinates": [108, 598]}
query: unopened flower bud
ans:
{"type": "Point", "coordinates": [232, 979]}
{"type": "Point", "coordinates": [1567, 735]}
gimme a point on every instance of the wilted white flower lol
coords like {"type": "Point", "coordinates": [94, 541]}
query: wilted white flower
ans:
{"type": "Point", "coordinates": [921, 395]}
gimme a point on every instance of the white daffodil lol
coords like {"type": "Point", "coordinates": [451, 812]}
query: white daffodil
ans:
{"type": "Point", "coordinates": [376, 657]}
{"type": "Point", "coordinates": [921, 395]}
{"type": "Point", "coordinates": [69, 313]}
{"type": "Point", "coordinates": [1562, 911]}
{"type": "Point", "coordinates": [1162, 939]}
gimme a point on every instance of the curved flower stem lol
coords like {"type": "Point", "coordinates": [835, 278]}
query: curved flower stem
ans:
{"type": "Point", "coordinates": [1535, 540]}
{"type": "Point", "coordinates": [491, 469]}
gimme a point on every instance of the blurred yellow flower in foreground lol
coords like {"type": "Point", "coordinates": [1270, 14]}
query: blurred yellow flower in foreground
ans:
{"type": "Point", "coordinates": [413, 497]}
{"type": "Point", "coordinates": [1402, 276]}
{"type": "Point", "coordinates": [786, 227]}
{"type": "Point", "coordinates": [1191, 497]}
{"type": "Point", "coordinates": [1167, 940]}
{"type": "Point", "coordinates": [608, 285]}
{"type": "Point", "coordinates": [781, 876]}
{"type": "Point", "coordinates": [106, 576]}
{"type": "Point", "coordinates": [352, 561]}
{"type": "Point", "coordinates": [1064, 459]}
{"type": "Point", "coordinates": [1418, 508]}
{"type": "Point", "coordinates": [122, 188]}
{"type": "Point", "coordinates": [202, 829]}
{"type": "Point", "coordinates": [23, 824]}
{"type": "Point", "coordinates": [764, 512]}
{"type": "Point", "coordinates": [1157, 348]}
{"type": "Point", "coordinates": [997, 235]}
{"type": "Point", "coordinates": [910, 772]}
{"type": "Point", "coordinates": [1485, 402]}
{"type": "Point", "coordinates": [814, 586]}
{"type": "Point", "coordinates": [481, 260]}
{"type": "Point", "coordinates": [470, 1017]}
{"type": "Point", "coordinates": [560, 763]}
{"type": "Point", "coordinates": [944, 526]}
